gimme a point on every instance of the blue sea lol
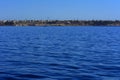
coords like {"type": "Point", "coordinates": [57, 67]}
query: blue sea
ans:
{"type": "Point", "coordinates": [60, 53]}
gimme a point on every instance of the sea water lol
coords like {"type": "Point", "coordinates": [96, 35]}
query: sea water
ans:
{"type": "Point", "coordinates": [60, 53]}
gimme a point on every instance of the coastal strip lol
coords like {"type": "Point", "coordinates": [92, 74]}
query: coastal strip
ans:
{"type": "Point", "coordinates": [59, 23]}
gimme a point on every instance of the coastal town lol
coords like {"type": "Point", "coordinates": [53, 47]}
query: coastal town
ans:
{"type": "Point", "coordinates": [59, 23]}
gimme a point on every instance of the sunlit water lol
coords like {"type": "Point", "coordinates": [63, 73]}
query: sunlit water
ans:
{"type": "Point", "coordinates": [59, 53]}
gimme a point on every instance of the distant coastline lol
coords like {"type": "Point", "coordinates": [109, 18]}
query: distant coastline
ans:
{"type": "Point", "coordinates": [59, 23]}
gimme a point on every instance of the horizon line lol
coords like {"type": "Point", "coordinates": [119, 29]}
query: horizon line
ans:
{"type": "Point", "coordinates": [59, 19]}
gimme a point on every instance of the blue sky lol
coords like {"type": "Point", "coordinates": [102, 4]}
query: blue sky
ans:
{"type": "Point", "coordinates": [60, 9]}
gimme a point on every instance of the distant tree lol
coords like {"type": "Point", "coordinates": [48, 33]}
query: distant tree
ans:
{"type": "Point", "coordinates": [10, 23]}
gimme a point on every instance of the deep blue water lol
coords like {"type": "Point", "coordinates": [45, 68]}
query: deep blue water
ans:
{"type": "Point", "coordinates": [59, 53]}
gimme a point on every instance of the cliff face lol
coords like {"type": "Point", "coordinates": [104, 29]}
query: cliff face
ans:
{"type": "Point", "coordinates": [59, 23]}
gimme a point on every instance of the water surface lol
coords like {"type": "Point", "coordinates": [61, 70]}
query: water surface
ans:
{"type": "Point", "coordinates": [59, 53]}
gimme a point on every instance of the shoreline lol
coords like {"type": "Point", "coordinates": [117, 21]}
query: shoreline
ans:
{"type": "Point", "coordinates": [47, 23]}
{"type": "Point", "coordinates": [57, 26]}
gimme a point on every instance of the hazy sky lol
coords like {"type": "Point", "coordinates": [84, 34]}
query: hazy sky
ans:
{"type": "Point", "coordinates": [60, 9]}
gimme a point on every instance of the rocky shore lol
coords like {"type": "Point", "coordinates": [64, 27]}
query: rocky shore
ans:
{"type": "Point", "coordinates": [59, 23]}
